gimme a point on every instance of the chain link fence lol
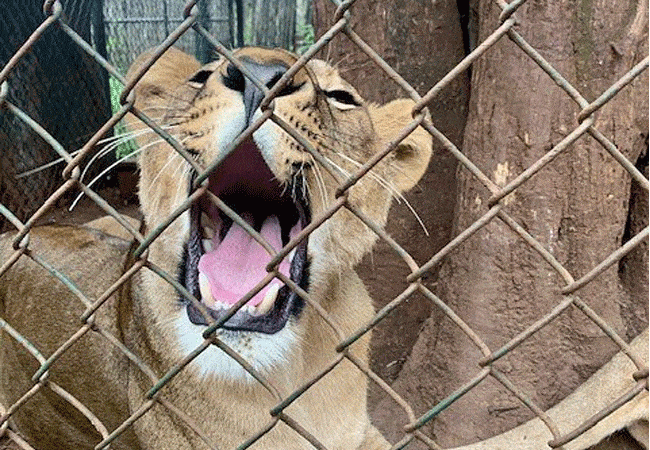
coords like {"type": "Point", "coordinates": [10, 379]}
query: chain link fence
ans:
{"type": "Point", "coordinates": [131, 26]}
{"type": "Point", "coordinates": [496, 211]}
{"type": "Point", "coordinates": [54, 79]}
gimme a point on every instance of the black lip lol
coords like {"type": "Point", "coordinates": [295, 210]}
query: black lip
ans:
{"type": "Point", "coordinates": [287, 305]}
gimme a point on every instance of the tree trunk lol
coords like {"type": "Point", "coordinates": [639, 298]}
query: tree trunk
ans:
{"type": "Point", "coordinates": [577, 208]}
{"type": "Point", "coordinates": [274, 23]}
{"type": "Point", "coordinates": [422, 41]}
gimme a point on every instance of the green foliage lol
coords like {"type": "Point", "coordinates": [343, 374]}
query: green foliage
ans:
{"type": "Point", "coordinates": [117, 49]}
{"type": "Point", "coordinates": [306, 37]}
{"type": "Point", "coordinates": [124, 149]}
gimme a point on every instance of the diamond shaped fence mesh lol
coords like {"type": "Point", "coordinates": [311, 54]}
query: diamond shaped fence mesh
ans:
{"type": "Point", "coordinates": [22, 221]}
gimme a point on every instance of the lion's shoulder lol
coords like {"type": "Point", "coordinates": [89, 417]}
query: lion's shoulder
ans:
{"type": "Point", "coordinates": [86, 256]}
{"type": "Point", "coordinates": [71, 238]}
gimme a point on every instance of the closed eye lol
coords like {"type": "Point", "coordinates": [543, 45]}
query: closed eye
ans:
{"type": "Point", "coordinates": [199, 78]}
{"type": "Point", "coordinates": [287, 89]}
{"type": "Point", "coordinates": [342, 97]}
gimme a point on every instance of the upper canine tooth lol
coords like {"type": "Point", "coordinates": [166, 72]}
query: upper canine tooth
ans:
{"type": "Point", "coordinates": [269, 299]}
{"type": "Point", "coordinates": [208, 246]}
{"type": "Point", "coordinates": [208, 233]}
{"type": "Point", "coordinates": [207, 226]}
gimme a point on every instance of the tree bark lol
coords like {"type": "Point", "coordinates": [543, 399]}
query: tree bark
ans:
{"type": "Point", "coordinates": [274, 23]}
{"type": "Point", "coordinates": [422, 41]}
{"type": "Point", "coordinates": [577, 208]}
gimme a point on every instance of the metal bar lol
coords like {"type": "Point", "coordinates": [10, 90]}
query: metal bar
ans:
{"type": "Point", "coordinates": [613, 90]}
{"type": "Point", "coordinates": [445, 403]}
{"type": "Point", "coordinates": [342, 20]}
{"type": "Point", "coordinates": [460, 323]}
{"type": "Point", "coordinates": [146, 406]}
{"type": "Point", "coordinates": [539, 412]}
{"type": "Point", "coordinates": [607, 262]}
{"type": "Point", "coordinates": [164, 20]}
{"type": "Point", "coordinates": [543, 161]}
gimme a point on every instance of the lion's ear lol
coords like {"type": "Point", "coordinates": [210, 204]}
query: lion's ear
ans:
{"type": "Point", "coordinates": [408, 162]}
{"type": "Point", "coordinates": [171, 70]}
{"type": "Point", "coordinates": [159, 84]}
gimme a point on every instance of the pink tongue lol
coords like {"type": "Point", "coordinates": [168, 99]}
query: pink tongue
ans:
{"type": "Point", "coordinates": [239, 262]}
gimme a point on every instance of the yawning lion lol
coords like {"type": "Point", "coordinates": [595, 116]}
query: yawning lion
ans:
{"type": "Point", "coordinates": [278, 189]}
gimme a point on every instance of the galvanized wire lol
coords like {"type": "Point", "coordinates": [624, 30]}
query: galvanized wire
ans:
{"type": "Point", "coordinates": [497, 208]}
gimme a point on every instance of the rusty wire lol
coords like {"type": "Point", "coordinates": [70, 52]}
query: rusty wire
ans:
{"type": "Point", "coordinates": [585, 124]}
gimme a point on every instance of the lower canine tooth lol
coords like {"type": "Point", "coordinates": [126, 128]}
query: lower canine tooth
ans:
{"type": "Point", "coordinates": [204, 287]}
{"type": "Point", "coordinates": [269, 299]}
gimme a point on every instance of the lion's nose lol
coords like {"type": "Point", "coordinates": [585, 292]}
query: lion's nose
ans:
{"type": "Point", "coordinates": [268, 74]}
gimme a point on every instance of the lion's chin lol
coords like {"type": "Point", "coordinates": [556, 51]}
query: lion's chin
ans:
{"type": "Point", "coordinates": [264, 352]}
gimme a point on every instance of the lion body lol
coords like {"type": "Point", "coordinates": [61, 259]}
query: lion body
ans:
{"type": "Point", "coordinates": [99, 375]}
{"type": "Point", "coordinates": [214, 392]}
{"type": "Point", "coordinates": [46, 313]}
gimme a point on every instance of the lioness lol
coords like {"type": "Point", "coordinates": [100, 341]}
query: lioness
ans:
{"type": "Point", "coordinates": [277, 187]}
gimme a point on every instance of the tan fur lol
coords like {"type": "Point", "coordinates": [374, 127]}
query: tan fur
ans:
{"type": "Point", "coordinates": [228, 411]}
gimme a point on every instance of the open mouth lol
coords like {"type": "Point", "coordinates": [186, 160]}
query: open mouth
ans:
{"type": "Point", "coordinates": [223, 262]}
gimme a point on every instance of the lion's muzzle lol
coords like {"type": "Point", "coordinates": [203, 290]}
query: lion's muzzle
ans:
{"type": "Point", "coordinates": [223, 262]}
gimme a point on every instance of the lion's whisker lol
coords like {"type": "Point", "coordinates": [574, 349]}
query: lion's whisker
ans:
{"type": "Point", "coordinates": [320, 181]}
{"type": "Point", "coordinates": [120, 137]}
{"type": "Point", "coordinates": [101, 174]}
{"type": "Point", "coordinates": [111, 167]}
{"type": "Point", "coordinates": [396, 194]}
{"type": "Point", "coordinates": [185, 170]}
{"type": "Point", "coordinates": [45, 166]}
{"type": "Point", "coordinates": [169, 160]}
{"type": "Point", "coordinates": [119, 140]}
{"type": "Point", "coordinates": [382, 181]}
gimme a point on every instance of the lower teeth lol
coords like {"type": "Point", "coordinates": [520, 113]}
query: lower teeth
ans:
{"type": "Point", "coordinates": [204, 288]}
{"type": "Point", "coordinates": [262, 308]}
{"type": "Point", "coordinates": [269, 299]}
